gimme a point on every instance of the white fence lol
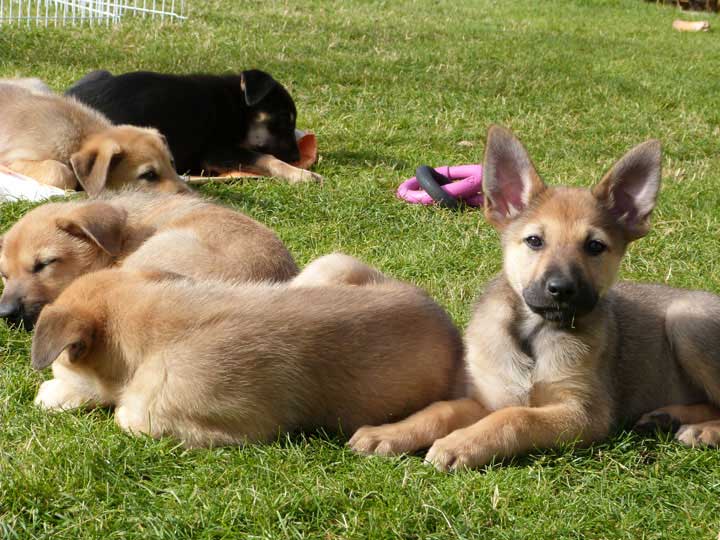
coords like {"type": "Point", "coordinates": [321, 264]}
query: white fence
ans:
{"type": "Point", "coordinates": [92, 12]}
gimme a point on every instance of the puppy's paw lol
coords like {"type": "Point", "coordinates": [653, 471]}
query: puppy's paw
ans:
{"type": "Point", "coordinates": [131, 420]}
{"type": "Point", "coordinates": [303, 175]}
{"type": "Point", "coordinates": [458, 451]}
{"type": "Point", "coordinates": [56, 395]}
{"type": "Point", "coordinates": [657, 421]}
{"type": "Point", "coordinates": [705, 434]}
{"type": "Point", "coordinates": [387, 440]}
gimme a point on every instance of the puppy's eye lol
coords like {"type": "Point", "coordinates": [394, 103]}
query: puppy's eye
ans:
{"type": "Point", "coordinates": [534, 242]}
{"type": "Point", "coordinates": [41, 265]}
{"type": "Point", "coordinates": [150, 176]}
{"type": "Point", "coordinates": [595, 247]}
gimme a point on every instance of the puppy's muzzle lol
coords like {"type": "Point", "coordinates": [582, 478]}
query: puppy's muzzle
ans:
{"type": "Point", "coordinates": [560, 297]}
{"type": "Point", "coordinates": [16, 315]}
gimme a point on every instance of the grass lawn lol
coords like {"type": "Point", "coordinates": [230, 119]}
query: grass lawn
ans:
{"type": "Point", "coordinates": [388, 86]}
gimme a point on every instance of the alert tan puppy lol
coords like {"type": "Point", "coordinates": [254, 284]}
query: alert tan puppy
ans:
{"type": "Point", "coordinates": [212, 364]}
{"type": "Point", "coordinates": [61, 142]}
{"type": "Point", "coordinates": [56, 243]}
{"type": "Point", "coordinates": [555, 352]}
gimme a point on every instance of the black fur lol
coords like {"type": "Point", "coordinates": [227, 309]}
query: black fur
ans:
{"type": "Point", "coordinates": [205, 118]}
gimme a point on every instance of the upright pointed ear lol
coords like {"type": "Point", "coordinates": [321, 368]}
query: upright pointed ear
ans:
{"type": "Point", "coordinates": [256, 85]}
{"type": "Point", "coordinates": [57, 330]}
{"type": "Point", "coordinates": [629, 190]}
{"type": "Point", "coordinates": [93, 163]}
{"type": "Point", "coordinates": [99, 223]}
{"type": "Point", "coordinates": [509, 177]}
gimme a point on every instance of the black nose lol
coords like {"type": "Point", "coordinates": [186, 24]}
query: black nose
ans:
{"type": "Point", "coordinates": [560, 288]}
{"type": "Point", "coordinates": [9, 310]}
{"type": "Point", "coordinates": [12, 313]}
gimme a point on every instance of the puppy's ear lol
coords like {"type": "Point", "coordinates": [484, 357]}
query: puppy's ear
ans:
{"type": "Point", "coordinates": [92, 165]}
{"type": "Point", "coordinates": [629, 190]}
{"type": "Point", "coordinates": [99, 223]}
{"type": "Point", "coordinates": [509, 178]}
{"type": "Point", "coordinates": [57, 330]}
{"type": "Point", "coordinates": [256, 85]}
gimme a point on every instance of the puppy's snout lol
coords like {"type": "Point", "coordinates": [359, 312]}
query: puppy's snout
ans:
{"type": "Point", "coordinates": [561, 288]}
{"type": "Point", "coordinates": [12, 312]}
{"type": "Point", "coordinates": [8, 310]}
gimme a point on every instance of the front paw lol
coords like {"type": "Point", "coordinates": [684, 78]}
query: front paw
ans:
{"type": "Point", "coordinates": [58, 396]}
{"type": "Point", "coordinates": [459, 451]}
{"type": "Point", "coordinates": [303, 175]}
{"type": "Point", "coordinates": [706, 434]}
{"type": "Point", "coordinates": [386, 440]}
{"type": "Point", "coordinates": [133, 421]}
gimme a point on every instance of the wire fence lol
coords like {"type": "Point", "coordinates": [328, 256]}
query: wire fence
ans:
{"type": "Point", "coordinates": [91, 12]}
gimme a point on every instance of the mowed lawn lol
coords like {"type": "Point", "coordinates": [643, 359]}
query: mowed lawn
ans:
{"type": "Point", "coordinates": [388, 86]}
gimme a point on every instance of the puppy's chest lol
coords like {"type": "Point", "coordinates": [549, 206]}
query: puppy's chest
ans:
{"type": "Point", "coordinates": [537, 366]}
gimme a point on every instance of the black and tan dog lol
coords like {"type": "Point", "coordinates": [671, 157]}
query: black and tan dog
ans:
{"type": "Point", "coordinates": [213, 123]}
{"type": "Point", "coordinates": [555, 351]}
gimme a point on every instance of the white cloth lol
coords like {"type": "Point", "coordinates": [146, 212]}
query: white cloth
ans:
{"type": "Point", "coordinates": [18, 187]}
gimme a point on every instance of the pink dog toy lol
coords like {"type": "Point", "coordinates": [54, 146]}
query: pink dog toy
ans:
{"type": "Point", "coordinates": [444, 185]}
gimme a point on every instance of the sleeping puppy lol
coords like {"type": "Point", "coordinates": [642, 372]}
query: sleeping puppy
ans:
{"type": "Point", "coordinates": [221, 364]}
{"type": "Point", "coordinates": [213, 124]}
{"type": "Point", "coordinates": [56, 243]}
{"type": "Point", "coordinates": [60, 142]}
{"type": "Point", "coordinates": [29, 83]}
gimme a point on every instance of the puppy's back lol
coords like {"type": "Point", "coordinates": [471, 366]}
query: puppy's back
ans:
{"type": "Point", "coordinates": [39, 126]}
{"type": "Point", "coordinates": [263, 358]}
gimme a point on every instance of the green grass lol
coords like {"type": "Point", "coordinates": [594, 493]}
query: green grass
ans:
{"type": "Point", "coordinates": [387, 86]}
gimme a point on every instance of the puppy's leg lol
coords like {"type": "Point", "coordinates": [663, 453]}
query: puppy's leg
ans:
{"type": "Point", "coordinates": [50, 172]}
{"type": "Point", "coordinates": [265, 164]}
{"type": "Point", "coordinates": [142, 397]}
{"type": "Point", "coordinates": [671, 418]}
{"type": "Point", "coordinates": [337, 269]}
{"type": "Point", "coordinates": [419, 430]}
{"type": "Point", "coordinates": [272, 166]}
{"type": "Point", "coordinates": [513, 431]}
{"type": "Point", "coordinates": [693, 326]}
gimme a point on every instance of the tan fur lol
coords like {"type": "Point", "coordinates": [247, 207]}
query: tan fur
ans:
{"type": "Point", "coordinates": [180, 234]}
{"type": "Point", "coordinates": [61, 142]}
{"type": "Point", "coordinates": [539, 380]}
{"type": "Point", "coordinates": [212, 363]}
{"type": "Point", "coordinates": [29, 83]}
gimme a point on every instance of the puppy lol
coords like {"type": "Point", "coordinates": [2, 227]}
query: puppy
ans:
{"type": "Point", "coordinates": [30, 83]}
{"type": "Point", "coordinates": [60, 142]}
{"type": "Point", "coordinates": [555, 352]}
{"type": "Point", "coordinates": [56, 243]}
{"type": "Point", "coordinates": [212, 123]}
{"type": "Point", "coordinates": [215, 364]}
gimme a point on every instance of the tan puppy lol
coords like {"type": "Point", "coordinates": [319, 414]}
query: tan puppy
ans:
{"type": "Point", "coordinates": [213, 364]}
{"type": "Point", "coordinates": [556, 353]}
{"type": "Point", "coordinates": [56, 243]}
{"type": "Point", "coordinates": [58, 141]}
